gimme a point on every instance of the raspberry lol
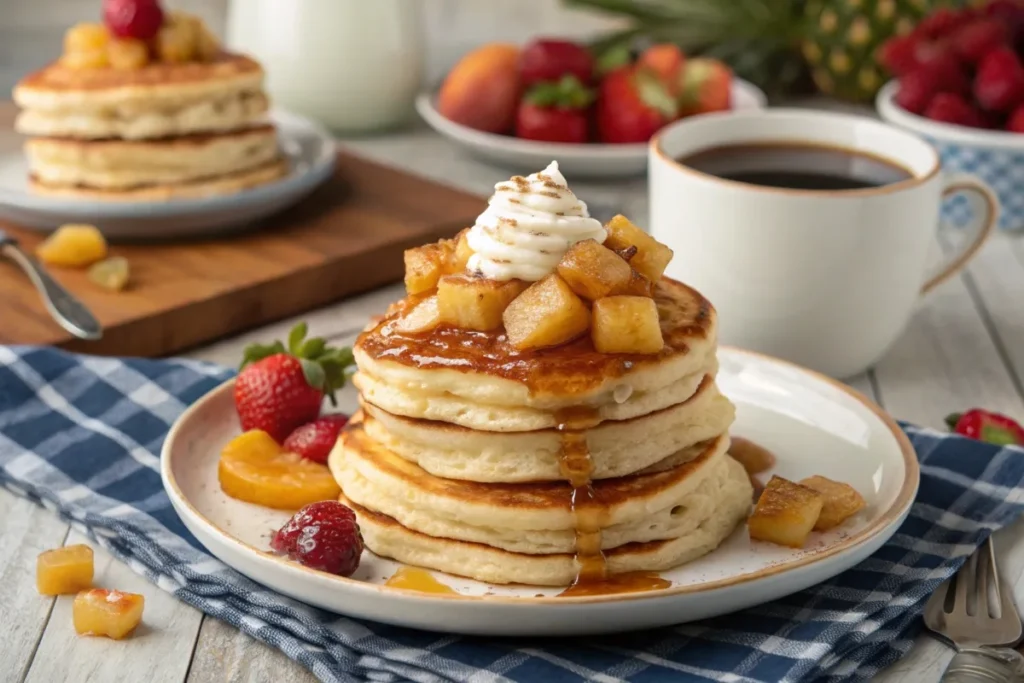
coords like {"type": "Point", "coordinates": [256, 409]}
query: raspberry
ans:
{"type": "Point", "coordinates": [322, 536]}
{"type": "Point", "coordinates": [315, 440]}
{"type": "Point", "coordinates": [139, 19]}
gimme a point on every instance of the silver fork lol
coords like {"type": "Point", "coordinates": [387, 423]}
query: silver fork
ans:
{"type": "Point", "coordinates": [974, 611]}
{"type": "Point", "coordinates": [69, 312]}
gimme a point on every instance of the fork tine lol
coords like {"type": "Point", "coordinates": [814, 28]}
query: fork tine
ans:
{"type": "Point", "coordinates": [987, 569]}
{"type": "Point", "coordinates": [965, 585]}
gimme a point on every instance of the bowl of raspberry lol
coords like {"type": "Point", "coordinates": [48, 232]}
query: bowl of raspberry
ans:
{"type": "Point", "coordinates": [959, 83]}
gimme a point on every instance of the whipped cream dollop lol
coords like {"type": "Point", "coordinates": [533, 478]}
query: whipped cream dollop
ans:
{"type": "Point", "coordinates": [528, 225]}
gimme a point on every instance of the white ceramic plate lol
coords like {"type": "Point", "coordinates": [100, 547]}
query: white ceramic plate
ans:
{"type": "Point", "coordinates": [590, 160]}
{"type": "Point", "coordinates": [814, 424]}
{"type": "Point", "coordinates": [309, 148]}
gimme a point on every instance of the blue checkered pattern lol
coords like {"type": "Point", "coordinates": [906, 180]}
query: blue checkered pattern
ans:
{"type": "Point", "coordinates": [80, 435]}
{"type": "Point", "coordinates": [1002, 169]}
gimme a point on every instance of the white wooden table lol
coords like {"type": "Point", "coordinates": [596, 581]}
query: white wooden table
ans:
{"type": "Point", "coordinates": [964, 348]}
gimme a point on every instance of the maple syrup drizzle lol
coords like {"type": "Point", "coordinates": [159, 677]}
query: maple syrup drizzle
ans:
{"type": "Point", "coordinates": [416, 579]}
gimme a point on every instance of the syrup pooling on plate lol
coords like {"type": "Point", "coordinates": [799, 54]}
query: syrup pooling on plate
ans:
{"type": "Point", "coordinates": [416, 579]}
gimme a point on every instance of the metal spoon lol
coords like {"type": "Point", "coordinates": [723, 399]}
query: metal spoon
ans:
{"type": "Point", "coordinates": [69, 312]}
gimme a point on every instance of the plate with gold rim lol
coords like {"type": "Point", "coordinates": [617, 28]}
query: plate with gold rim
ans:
{"type": "Point", "coordinates": [813, 424]}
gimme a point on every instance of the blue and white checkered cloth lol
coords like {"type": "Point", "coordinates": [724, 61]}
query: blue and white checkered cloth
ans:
{"type": "Point", "coordinates": [81, 435]}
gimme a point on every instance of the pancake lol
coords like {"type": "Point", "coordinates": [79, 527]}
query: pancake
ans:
{"type": "Point", "coordinates": [125, 94]}
{"type": "Point", "coordinates": [222, 185]}
{"type": "Point", "coordinates": [617, 448]}
{"type": "Point", "coordinates": [123, 165]}
{"type": "Point", "coordinates": [387, 537]}
{"type": "Point", "coordinates": [231, 111]}
{"type": "Point", "coordinates": [484, 369]}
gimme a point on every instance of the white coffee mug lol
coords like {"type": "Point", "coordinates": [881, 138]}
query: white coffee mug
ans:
{"type": "Point", "coordinates": [824, 278]}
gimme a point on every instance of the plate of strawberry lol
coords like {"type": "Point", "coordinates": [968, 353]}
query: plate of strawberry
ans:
{"type": "Point", "coordinates": [523, 106]}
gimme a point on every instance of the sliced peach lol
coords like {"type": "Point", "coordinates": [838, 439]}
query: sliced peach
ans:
{"type": "Point", "coordinates": [482, 90]}
{"type": "Point", "coordinates": [255, 468]}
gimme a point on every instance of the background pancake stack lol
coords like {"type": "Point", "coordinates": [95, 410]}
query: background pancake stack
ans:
{"type": "Point", "coordinates": [542, 467]}
{"type": "Point", "coordinates": [121, 120]}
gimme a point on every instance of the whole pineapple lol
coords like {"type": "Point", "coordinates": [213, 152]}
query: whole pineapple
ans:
{"type": "Point", "coordinates": [840, 37]}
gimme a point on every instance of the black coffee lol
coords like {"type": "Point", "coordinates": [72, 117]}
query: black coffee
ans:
{"type": "Point", "coordinates": [796, 166]}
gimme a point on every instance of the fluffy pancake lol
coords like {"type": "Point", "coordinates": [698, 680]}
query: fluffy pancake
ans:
{"type": "Point", "coordinates": [387, 537]}
{"type": "Point", "coordinates": [484, 369]}
{"type": "Point", "coordinates": [128, 93]}
{"type": "Point", "coordinates": [121, 164]}
{"type": "Point", "coordinates": [231, 111]}
{"type": "Point", "coordinates": [617, 448]}
{"type": "Point", "coordinates": [222, 185]}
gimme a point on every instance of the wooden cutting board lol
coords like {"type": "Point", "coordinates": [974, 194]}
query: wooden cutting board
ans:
{"type": "Point", "coordinates": [347, 237]}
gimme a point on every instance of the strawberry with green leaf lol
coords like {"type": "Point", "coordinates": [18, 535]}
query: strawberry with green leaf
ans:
{"type": "Point", "coordinates": [280, 388]}
{"type": "Point", "coordinates": [987, 426]}
{"type": "Point", "coordinates": [555, 111]}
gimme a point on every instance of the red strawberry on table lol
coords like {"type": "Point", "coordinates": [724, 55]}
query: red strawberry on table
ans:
{"type": "Point", "coordinates": [140, 19]}
{"type": "Point", "coordinates": [706, 87]}
{"type": "Point", "coordinates": [999, 83]}
{"type": "Point", "coordinates": [548, 60]}
{"type": "Point", "coordinates": [555, 112]}
{"type": "Point", "coordinates": [314, 441]}
{"type": "Point", "coordinates": [953, 108]}
{"type": "Point", "coordinates": [987, 426]}
{"type": "Point", "coordinates": [632, 104]}
{"type": "Point", "coordinates": [279, 389]}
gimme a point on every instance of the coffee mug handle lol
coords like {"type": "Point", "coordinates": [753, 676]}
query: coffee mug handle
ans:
{"type": "Point", "coordinates": [981, 227]}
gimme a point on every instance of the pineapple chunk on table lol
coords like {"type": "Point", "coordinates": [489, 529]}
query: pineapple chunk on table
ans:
{"type": "Point", "coordinates": [110, 613]}
{"type": "Point", "coordinates": [475, 303]}
{"type": "Point", "coordinates": [785, 513]}
{"type": "Point", "coordinates": [64, 570]}
{"type": "Point", "coordinates": [548, 313]}
{"type": "Point", "coordinates": [594, 271]}
{"type": "Point", "coordinates": [626, 324]}
{"type": "Point", "coordinates": [423, 316]}
{"type": "Point", "coordinates": [841, 501]}
{"type": "Point", "coordinates": [651, 257]}
{"type": "Point", "coordinates": [73, 246]}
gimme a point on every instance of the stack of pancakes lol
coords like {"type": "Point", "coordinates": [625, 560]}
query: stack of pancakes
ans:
{"type": "Point", "coordinates": [538, 467]}
{"type": "Point", "coordinates": [159, 132]}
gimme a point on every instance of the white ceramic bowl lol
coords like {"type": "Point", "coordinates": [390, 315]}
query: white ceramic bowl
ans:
{"type": "Point", "coordinates": [997, 157]}
{"type": "Point", "coordinates": [590, 160]}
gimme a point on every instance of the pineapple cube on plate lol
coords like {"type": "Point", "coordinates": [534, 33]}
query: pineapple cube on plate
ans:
{"type": "Point", "coordinates": [64, 570]}
{"type": "Point", "coordinates": [473, 302]}
{"type": "Point", "coordinates": [422, 317]}
{"type": "Point", "coordinates": [626, 324]}
{"type": "Point", "coordinates": [785, 513]}
{"type": "Point", "coordinates": [102, 612]}
{"type": "Point", "coordinates": [548, 313]}
{"type": "Point", "coordinates": [841, 501]}
{"type": "Point", "coordinates": [651, 256]}
{"type": "Point", "coordinates": [594, 271]}
{"type": "Point", "coordinates": [461, 252]}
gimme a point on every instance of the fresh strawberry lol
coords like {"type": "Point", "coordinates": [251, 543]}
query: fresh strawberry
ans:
{"type": "Point", "coordinates": [279, 389]}
{"type": "Point", "coordinates": [322, 536]}
{"type": "Point", "coordinates": [939, 23]}
{"type": "Point", "coordinates": [139, 19]}
{"type": "Point", "coordinates": [1010, 13]}
{"type": "Point", "coordinates": [939, 58]}
{"type": "Point", "coordinates": [548, 60]}
{"type": "Point", "coordinates": [950, 107]}
{"type": "Point", "coordinates": [899, 54]}
{"type": "Point", "coordinates": [1015, 123]}
{"type": "Point", "coordinates": [555, 112]}
{"type": "Point", "coordinates": [987, 426]}
{"type": "Point", "coordinates": [632, 105]}
{"type": "Point", "coordinates": [999, 83]}
{"type": "Point", "coordinates": [314, 441]}
{"type": "Point", "coordinates": [978, 38]}
{"type": "Point", "coordinates": [917, 89]}
{"type": "Point", "coordinates": [706, 87]}
{"type": "Point", "coordinates": [667, 62]}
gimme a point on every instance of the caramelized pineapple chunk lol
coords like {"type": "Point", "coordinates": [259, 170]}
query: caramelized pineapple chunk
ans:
{"type": "Point", "coordinates": [177, 41]}
{"type": "Point", "coordinates": [651, 256]}
{"type": "Point", "coordinates": [461, 253]}
{"type": "Point", "coordinates": [424, 266]}
{"type": "Point", "coordinates": [548, 313]}
{"type": "Point", "coordinates": [423, 316]}
{"type": "Point", "coordinates": [785, 513]}
{"type": "Point", "coordinates": [127, 54]}
{"type": "Point", "coordinates": [86, 37]}
{"type": "Point", "coordinates": [64, 570]}
{"type": "Point", "coordinates": [101, 612]}
{"type": "Point", "coordinates": [74, 246]}
{"type": "Point", "coordinates": [475, 303]}
{"type": "Point", "coordinates": [593, 271]}
{"type": "Point", "coordinates": [754, 458]}
{"type": "Point", "coordinates": [841, 501]}
{"type": "Point", "coordinates": [638, 285]}
{"type": "Point", "coordinates": [626, 324]}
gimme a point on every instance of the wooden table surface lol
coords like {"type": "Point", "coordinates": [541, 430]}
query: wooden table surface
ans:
{"type": "Point", "coordinates": [963, 348]}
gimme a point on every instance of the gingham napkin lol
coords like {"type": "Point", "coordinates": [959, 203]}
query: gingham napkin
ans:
{"type": "Point", "coordinates": [81, 435]}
